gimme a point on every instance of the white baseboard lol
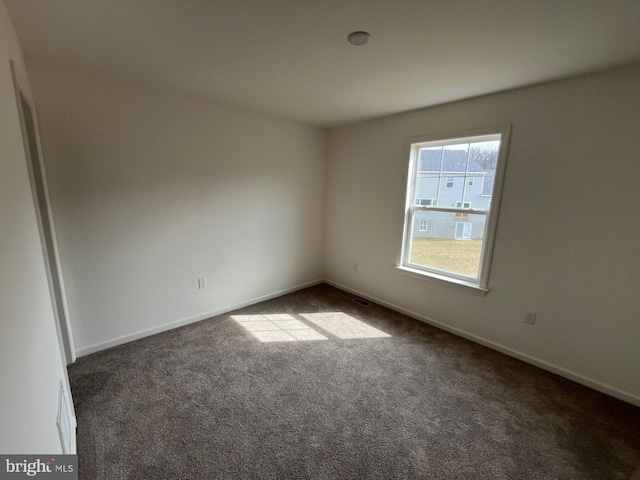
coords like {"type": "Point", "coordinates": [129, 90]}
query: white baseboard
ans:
{"type": "Point", "coordinates": [186, 321]}
{"type": "Point", "coordinates": [563, 372]}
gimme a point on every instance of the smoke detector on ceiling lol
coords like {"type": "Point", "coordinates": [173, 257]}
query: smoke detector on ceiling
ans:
{"type": "Point", "coordinates": [359, 38]}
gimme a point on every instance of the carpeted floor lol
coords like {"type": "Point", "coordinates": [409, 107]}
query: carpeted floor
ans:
{"type": "Point", "coordinates": [314, 386]}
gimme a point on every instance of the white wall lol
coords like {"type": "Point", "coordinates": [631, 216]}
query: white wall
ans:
{"type": "Point", "coordinates": [152, 189]}
{"type": "Point", "coordinates": [31, 364]}
{"type": "Point", "coordinates": [568, 230]}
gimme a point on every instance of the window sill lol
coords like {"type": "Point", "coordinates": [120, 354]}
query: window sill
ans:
{"type": "Point", "coordinates": [442, 280]}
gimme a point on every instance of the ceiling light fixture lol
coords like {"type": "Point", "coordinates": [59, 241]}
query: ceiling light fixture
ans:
{"type": "Point", "coordinates": [359, 38]}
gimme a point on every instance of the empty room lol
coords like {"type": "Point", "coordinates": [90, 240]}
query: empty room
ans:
{"type": "Point", "coordinates": [354, 239]}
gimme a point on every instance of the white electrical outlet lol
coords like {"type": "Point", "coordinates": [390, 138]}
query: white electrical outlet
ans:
{"type": "Point", "coordinates": [530, 318]}
{"type": "Point", "coordinates": [202, 283]}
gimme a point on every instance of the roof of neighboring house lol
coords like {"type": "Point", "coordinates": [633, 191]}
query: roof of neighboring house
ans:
{"type": "Point", "coordinates": [454, 161]}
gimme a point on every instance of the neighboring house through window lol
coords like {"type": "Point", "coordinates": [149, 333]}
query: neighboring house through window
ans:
{"type": "Point", "coordinates": [450, 225]}
{"type": "Point", "coordinates": [462, 215]}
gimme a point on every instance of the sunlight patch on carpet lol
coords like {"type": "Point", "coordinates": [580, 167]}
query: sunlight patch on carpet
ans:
{"type": "Point", "coordinates": [277, 328]}
{"type": "Point", "coordinates": [283, 327]}
{"type": "Point", "coordinates": [343, 326]}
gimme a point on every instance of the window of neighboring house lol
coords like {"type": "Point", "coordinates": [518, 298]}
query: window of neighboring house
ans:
{"type": "Point", "coordinates": [458, 249]}
{"type": "Point", "coordinates": [462, 215]}
{"type": "Point", "coordinates": [425, 201]}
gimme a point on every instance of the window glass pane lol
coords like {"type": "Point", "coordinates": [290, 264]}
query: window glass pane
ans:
{"type": "Point", "coordinates": [457, 174]}
{"type": "Point", "coordinates": [485, 154]}
{"type": "Point", "coordinates": [455, 159]}
{"type": "Point", "coordinates": [428, 174]}
{"type": "Point", "coordinates": [429, 160]}
{"type": "Point", "coordinates": [448, 241]}
{"type": "Point", "coordinates": [441, 173]}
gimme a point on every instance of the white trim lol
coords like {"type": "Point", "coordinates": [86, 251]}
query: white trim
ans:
{"type": "Point", "coordinates": [456, 174]}
{"type": "Point", "coordinates": [544, 365]}
{"type": "Point", "coordinates": [472, 211]}
{"type": "Point", "coordinates": [491, 225]}
{"type": "Point", "coordinates": [58, 295]}
{"type": "Point", "coordinates": [453, 138]}
{"type": "Point", "coordinates": [446, 280]}
{"type": "Point", "coordinates": [414, 144]}
{"type": "Point", "coordinates": [66, 422]}
{"type": "Point", "coordinates": [97, 347]}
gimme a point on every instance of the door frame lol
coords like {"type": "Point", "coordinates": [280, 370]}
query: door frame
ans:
{"type": "Point", "coordinates": [42, 206]}
{"type": "Point", "coordinates": [466, 228]}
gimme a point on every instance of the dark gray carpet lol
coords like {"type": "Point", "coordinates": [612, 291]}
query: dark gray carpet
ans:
{"type": "Point", "coordinates": [211, 401]}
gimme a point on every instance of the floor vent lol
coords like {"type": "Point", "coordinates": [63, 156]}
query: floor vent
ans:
{"type": "Point", "coordinates": [361, 301]}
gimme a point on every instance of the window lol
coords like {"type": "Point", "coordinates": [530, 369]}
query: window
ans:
{"type": "Point", "coordinates": [457, 249]}
{"type": "Point", "coordinates": [462, 215]}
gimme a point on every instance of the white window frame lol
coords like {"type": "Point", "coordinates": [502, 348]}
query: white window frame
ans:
{"type": "Point", "coordinates": [423, 225]}
{"type": "Point", "coordinates": [452, 181]}
{"type": "Point", "coordinates": [470, 181]}
{"type": "Point", "coordinates": [479, 284]}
